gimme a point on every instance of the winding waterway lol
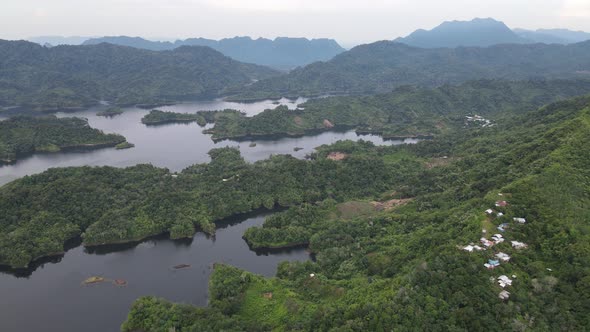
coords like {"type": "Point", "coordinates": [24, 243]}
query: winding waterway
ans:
{"type": "Point", "coordinates": [51, 297]}
{"type": "Point", "coordinates": [174, 146]}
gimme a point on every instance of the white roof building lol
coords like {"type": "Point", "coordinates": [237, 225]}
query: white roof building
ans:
{"type": "Point", "coordinates": [503, 256]}
{"type": "Point", "coordinates": [504, 295]}
{"type": "Point", "coordinates": [504, 281]}
{"type": "Point", "coordinates": [518, 245]}
{"type": "Point", "coordinates": [520, 220]}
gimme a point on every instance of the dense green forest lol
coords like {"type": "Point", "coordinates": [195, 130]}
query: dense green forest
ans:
{"type": "Point", "coordinates": [157, 117]}
{"type": "Point", "coordinates": [61, 77]}
{"type": "Point", "coordinates": [405, 112]}
{"type": "Point", "coordinates": [382, 66]}
{"type": "Point", "coordinates": [112, 205]}
{"type": "Point", "coordinates": [402, 266]}
{"type": "Point", "coordinates": [24, 135]}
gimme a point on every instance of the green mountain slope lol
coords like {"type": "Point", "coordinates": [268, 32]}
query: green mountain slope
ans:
{"type": "Point", "coordinates": [380, 67]}
{"type": "Point", "coordinates": [405, 268]}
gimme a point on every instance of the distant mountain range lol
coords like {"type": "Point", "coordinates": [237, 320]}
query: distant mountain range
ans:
{"type": "Point", "coordinates": [382, 66]}
{"type": "Point", "coordinates": [58, 40]}
{"type": "Point", "coordinates": [557, 36]}
{"type": "Point", "coordinates": [74, 76]}
{"type": "Point", "coordinates": [281, 53]}
{"type": "Point", "coordinates": [486, 32]}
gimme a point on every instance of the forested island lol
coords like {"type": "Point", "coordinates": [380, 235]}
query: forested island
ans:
{"type": "Point", "coordinates": [23, 135]}
{"type": "Point", "coordinates": [110, 112]}
{"type": "Point", "coordinates": [405, 112]}
{"type": "Point", "coordinates": [417, 251]}
{"type": "Point", "coordinates": [157, 117]}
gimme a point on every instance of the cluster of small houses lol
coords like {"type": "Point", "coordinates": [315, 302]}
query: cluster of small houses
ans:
{"type": "Point", "coordinates": [503, 280]}
{"type": "Point", "coordinates": [479, 120]}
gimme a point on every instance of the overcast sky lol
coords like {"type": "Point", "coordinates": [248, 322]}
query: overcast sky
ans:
{"type": "Point", "coordinates": [348, 21]}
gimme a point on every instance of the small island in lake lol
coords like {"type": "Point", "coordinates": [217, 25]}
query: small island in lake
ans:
{"type": "Point", "coordinates": [110, 112]}
{"type": "Point", "coordinates": [156, 117]}
{"type": "Point", "coordinates": [202, 118]}
{"type": "Point", "coordinates": [23, 135]}
{"type": "Point", "coordinates": [124, 145]}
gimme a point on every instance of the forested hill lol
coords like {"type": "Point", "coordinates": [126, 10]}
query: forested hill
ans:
{"type": "Point", "coordinates": [73, 76]}
{"type": "Point", "coordinates": [282, 52]}
{"type": "Point", "coordinates": [384, 65]}
{"type": "Point", "coordinates": [409, 265]}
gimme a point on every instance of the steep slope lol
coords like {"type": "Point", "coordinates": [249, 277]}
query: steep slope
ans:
{"type": "Point", "coordinates": [70, 76]}
{"type": "Point", "coordinates": [382, 66]}
{"type": "Point", "coordinates": [477, 32]}
{"type": "Point", "coordinates": [282, 52]}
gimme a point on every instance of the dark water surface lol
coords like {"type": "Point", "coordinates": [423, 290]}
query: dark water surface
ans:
{"type": "Point", "coordinates": [51, 296]}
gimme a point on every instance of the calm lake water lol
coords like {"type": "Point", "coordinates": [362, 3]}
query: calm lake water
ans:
{"type": "Point", "coordinates": [50, 297]}
{"type": "Point", "coordinates": [174, 146]}
{"type": "Point", "coordinates": [53, 298]}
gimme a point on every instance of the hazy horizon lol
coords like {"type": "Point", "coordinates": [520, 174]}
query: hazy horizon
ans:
{"type": "Point", "coordinates": [348, 22]}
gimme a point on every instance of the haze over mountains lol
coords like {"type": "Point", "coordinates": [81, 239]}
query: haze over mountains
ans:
{"type": "Point", "coordinates": [127, 70]}
{"type": "Point", "coordinates": [281, 53]}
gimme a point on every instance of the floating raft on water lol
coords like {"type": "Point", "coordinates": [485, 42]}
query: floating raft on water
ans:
{"type": "Point", "coordinates": [181, 266]}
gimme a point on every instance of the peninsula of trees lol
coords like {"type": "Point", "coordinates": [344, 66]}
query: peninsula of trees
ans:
{"type": "Point", "coordinates": [23, 135]}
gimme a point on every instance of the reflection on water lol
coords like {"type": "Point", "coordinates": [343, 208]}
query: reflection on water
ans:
{"type": "Point", "coordinates": [52, 298]}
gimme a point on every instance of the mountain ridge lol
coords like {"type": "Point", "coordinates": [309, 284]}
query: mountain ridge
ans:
{"type": "Point", "coordinates": [281, 52]}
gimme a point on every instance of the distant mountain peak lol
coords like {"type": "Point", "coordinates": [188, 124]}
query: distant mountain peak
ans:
{"type": "Point", "coordinates": [476, 32]}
